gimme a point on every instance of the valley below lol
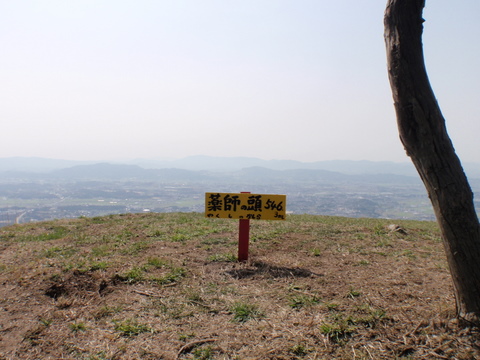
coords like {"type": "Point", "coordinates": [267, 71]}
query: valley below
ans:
{"type": "Point", "coordinates": [102, 189]}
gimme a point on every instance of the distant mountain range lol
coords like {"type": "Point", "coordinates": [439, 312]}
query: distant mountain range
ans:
{"type": "Point", "coordinates": [250, 175]}
{"type": "Point", "coordinates": [212, 163]}
{"type": "Point", "coordinates": [141, 167]}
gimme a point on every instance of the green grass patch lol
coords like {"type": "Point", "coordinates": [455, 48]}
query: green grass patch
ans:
{"type": "Point", "coordinates": [136, 248]}
{"type": "Point", "coordinates": [337, 331]}
{"type": "Point", "coordinates": [174, 275]}
{"type": "Point", "coordinates": [299, 301]}
{"type": "Point", "coordinates": [100, 265]}
{"type": "Point", "coordinates": [53, 233]}
{"type": "Point", "coordinates": [58, 251]}
{"type": "Point", "coordinates": [77, 326]}
{"type": "Point", "coordinates": [134, 275]}
{"type": "Point", "coordinates": [203, 353]}
{"type": "Point", "coordinates": [156, 262]}
{"type": "Point", "coordinates": [243, 312]}
{"type": "Point", "coordinates": [131, 327]}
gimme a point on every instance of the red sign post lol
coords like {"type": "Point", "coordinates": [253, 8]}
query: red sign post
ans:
{"type": "Point", "coordinates": [243, 237]}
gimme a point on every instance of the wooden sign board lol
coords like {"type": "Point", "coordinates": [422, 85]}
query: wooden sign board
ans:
{"type": "Point", "coordinates": [245, 206]}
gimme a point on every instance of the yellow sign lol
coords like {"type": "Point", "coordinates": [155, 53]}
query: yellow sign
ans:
{"type": "Point", "coordinates": [245, 206]}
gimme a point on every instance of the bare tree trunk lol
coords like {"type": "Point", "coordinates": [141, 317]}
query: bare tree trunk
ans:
{"type": "Point", "coordinates": [423, 133]}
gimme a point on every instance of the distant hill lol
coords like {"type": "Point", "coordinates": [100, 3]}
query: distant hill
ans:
{"type": "Point", "coordinates": [216, 163]}
{"type": "Point", "coordinates": [106, 171]}
{"type": "Point", "coordinates": [253, 175]}
{"type": "Point", "coordinates": [100, 171]}
{"type": "Point", "coordinates": [224, 164]}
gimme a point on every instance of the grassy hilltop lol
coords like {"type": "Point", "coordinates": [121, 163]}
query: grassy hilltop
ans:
{"type": "Point", "coordinates": [167, 286]}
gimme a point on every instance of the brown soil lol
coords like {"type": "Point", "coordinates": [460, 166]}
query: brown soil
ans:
{"type": "Point", "coordinates": [129, 287]}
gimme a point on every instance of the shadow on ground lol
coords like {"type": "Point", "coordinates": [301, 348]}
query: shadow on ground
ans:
{"type": "Point", "coordinates": [260, 268]}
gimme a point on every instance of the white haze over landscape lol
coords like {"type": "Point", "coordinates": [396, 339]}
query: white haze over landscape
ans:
{"type": "Point", "coordinates": [272, 79]}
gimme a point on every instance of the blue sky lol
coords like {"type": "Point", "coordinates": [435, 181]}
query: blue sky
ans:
{"type": "Point", "coordinates": [303, 80]}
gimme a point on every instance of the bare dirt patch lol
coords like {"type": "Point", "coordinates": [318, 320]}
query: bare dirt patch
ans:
{"type": "Point", "coordinates": [167, 286]}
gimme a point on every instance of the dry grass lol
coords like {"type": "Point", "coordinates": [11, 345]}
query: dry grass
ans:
{"type": "Point", "coordinates": [166, 286]}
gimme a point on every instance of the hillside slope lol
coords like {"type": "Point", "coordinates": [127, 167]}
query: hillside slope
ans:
{"type": "Point", "coordinates": [167, 286]}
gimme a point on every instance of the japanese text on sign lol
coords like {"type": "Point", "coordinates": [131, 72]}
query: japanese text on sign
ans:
{"type": "Point", "coordinates": [245, 206]}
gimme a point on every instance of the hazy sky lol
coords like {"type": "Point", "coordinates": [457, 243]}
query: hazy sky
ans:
{"type": "Point", "coordinates": [275, 79]}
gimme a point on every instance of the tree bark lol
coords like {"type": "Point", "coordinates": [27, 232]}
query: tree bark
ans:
{"type": "Point", "coordinates": [423, 133]}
